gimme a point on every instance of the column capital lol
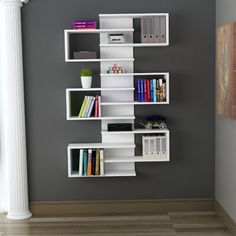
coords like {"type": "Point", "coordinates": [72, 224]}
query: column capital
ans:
{"type": "Point", "coordinates": [13, 2]}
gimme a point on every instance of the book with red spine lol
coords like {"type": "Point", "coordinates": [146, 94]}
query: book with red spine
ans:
{"type": "Point", "coordinates": [148, 91]}
{"type": "Point", "coordinates": [145, 90]}
{"type": "Point", "coordinates": [96, 107]}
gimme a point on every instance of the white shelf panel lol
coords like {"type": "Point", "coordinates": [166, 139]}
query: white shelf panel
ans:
{"type": "Point", "coordinates": [98, 89]}
{"type": "Point", "coordinates": [103, 118]}
{"type": "Point", "coordinates": [135, 74]}
{"type": "Point", "coordinates": [138, 131]}
{"type": "Point", "coordinates": [133, 159]}
{"type": "Point", "coordinates": [133, 44]}
{"type": "Point", "coordinates": [100, 60]}
{"type": "Point", "coordinates": [100, 145]}
{"type": "Point", "coordinates": [131, 103]}
{"type": "Point", "coordinates": [119, 173]}
{"type": "Point", "coordinates": [138, 15]}
{"type": "Point", "coordinates": [109, 173]}
{"type": "Point", "coordinates": [98, 31]}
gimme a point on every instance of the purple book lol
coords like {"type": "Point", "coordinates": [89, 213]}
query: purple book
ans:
{"type": "Point", "coordinates": [138, 92]}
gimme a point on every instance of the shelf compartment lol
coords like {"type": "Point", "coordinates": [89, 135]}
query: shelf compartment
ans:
{"type": "Point", "coordinates": [100, 145]}
{"type": "Point", "coordinates": [98, 31]}
{"type": "Point", "coordinates": [136, 15]}
{"type": "Point", "coordinates": [133, 44]}
{"type": "Point", "coordinates": [138, 131]}
{"type": "Point", "coordinates": [135, 74]}
{"type": "Point", "coordinates": [99, 60]}
{"type": "Point", "coordinates": [98, 89]}
{"type": "Point", "coordinates": [132, 103]}
{"type": "Point", "coordinates": [109, 173]}
{"type": "Point", "coordinates": [103, 118]}
{"type": "Point", "coordinates": [133, 159]}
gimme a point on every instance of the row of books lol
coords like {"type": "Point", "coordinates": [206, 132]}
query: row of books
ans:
{"type": "Point", "coordinates": [153, 29]}
{"type": "Point", "coordinates": [153, 90]}
{"type": "Point", "coordinates": [85, 24]}
{"type": "Point", "coordinates": [154, 146]}
{"type": "Point", "coordinates": [89, 162]}
{"type": "Point", "coordinates": [91, 107]}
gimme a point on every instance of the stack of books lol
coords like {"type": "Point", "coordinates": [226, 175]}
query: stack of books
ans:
{"type": "Point", "coordinates": [91, 162]}
{"type": "Point", "coordinates": [91, 107]}
{"type": "Point", "coordinates": [84, 24]}
{"type": "Point", "coordinates": [151, 90]}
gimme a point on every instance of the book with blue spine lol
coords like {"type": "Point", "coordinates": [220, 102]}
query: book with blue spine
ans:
{"type": "Point", "coordinates": [139, 91]}
{"type": "Point", "coordinates": [154, 90]}
{"type": "Point", "coordinates": [151, 91]}
{"type": "Point", "coordinates": [88, 105]}
{"type": "Point", "coordinates": [91, 105]}
{"type": "Point", "coordinates": [142, 91]}
{"type": "Point", "coordinates": [85, 162]}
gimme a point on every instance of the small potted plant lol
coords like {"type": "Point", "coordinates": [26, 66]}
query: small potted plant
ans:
{"type": "Point", "coordinates": [86, 77]}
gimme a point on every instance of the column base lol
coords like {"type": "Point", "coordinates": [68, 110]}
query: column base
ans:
{"type": "Point", "coordinates": [27, 215]}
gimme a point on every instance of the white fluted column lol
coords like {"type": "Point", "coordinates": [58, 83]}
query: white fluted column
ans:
{"type": "Point", "coordinates": [14, 134]}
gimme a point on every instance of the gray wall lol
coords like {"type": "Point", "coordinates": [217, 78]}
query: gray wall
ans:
{"type": "Point", "coordinates": [189, 59]}
{"type": "Point", "coordinates": [226, 133]}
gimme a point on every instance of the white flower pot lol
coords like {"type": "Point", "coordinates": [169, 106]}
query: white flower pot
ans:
{"type": "Point", "coordinates": [86, 81]}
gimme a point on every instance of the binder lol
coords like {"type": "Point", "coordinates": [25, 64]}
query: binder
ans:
{"type": "Point", "coordinates": [158, 147]}
{"type": "Point", "coordinates": [81, 162]}
{"type": "Point", "coordinates": [145, 146]}
{"type": "Point", "coordinates": [162, 29]}
{"type": "Point", "coordinates": [144, 29]}
{"type": "Point", "coordinates": [151, 30]}
{"type": "Point", "coordinates": [163, 147]}
{"type": "Point", "coordinates": [152, 146]}
{"type": "Point", "coordinates": [157, 30]}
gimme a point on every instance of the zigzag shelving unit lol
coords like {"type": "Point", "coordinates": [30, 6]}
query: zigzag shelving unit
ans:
{"type": "Point", "coordinates": [117, 92]}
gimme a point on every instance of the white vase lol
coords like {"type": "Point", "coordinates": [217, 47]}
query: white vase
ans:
{"type": "Point", "coordinates": [86, 81]}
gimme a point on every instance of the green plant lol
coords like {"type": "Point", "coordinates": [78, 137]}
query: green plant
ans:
{"type": "Point", "coordinates": [86, 72]}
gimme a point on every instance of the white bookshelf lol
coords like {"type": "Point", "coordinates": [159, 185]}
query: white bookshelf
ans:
{"type": "Point", "coordinates": [117, 92]}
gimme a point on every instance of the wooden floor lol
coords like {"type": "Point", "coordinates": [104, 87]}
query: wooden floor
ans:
{"type": "Point", "coordinates": [173, 223]}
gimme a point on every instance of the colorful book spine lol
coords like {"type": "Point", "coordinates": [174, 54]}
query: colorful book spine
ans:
{"type": "Point", "coordinates": [101, 162]}
{"type": "Point", "coordinates": [82, 107]}
{"type": "Point", "coordinates": [139, 98]}
{"type": "Point", "coordinates": [91, 107]}
{"type": "Point", "coordinates": [85, 162]}
{"type": "Point", "coordinates": [151, 91]}
{"type": "Point", "coordinates": [99, 107]}
{"type": "Point", "coordinates": [97, 166]}
{"type": "Point", "coordinates": [148, 91]}
{"type": "Point", "coordinates": [89, 162]}
{"type": "Point", "coordinates": [81, 162]}
{"type": "Point", "coordinates": [154, 82]}
{"type": "Point", "coordinates": [85, 106]}
{"type": "Point", "coordinates": [145, 91]}
{"type": "Point", "coordinates": [96, 106]}
{"type": "Point", "coordinates": [93, 162]}
{"type": "Point", "coordinates": [142, 91]}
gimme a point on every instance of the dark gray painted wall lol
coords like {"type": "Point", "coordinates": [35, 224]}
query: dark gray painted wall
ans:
{"type": "Point", "coordinates": [226, 132]}
{"type": "Point", "coordinates": [189, 59]}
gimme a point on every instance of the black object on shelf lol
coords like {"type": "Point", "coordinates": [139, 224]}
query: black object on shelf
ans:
{"type": "Point", "coordinates": [119, 127]}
